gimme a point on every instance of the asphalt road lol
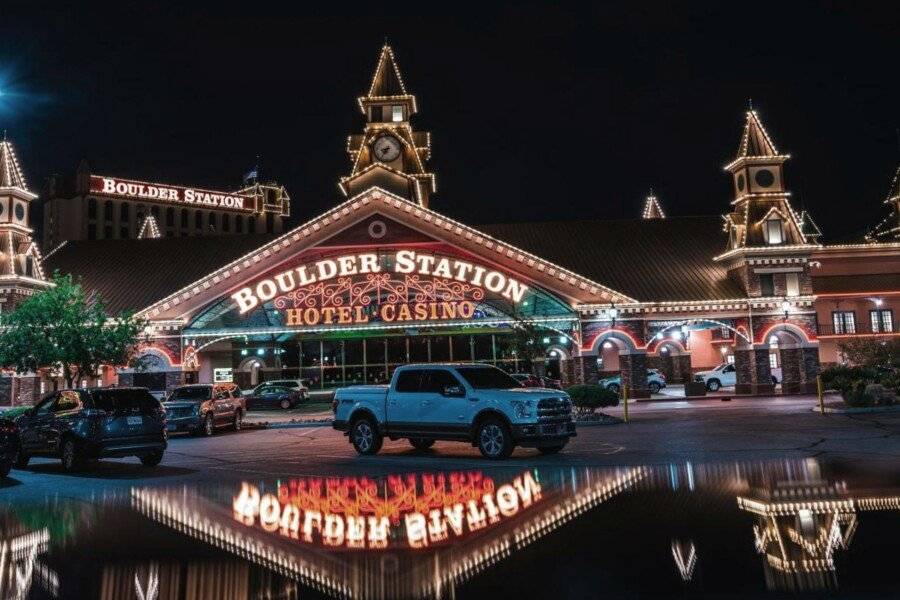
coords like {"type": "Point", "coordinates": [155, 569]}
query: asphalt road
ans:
{"type": "Point", "coordinates": [658, 433]}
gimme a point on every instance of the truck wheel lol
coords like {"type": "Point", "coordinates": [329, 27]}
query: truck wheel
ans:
{"type": "Point", "coordinates": [713, 385]}
{"type": "Point", "coordinates": [421, 443]}
{"type": "Point", "coordinates": [151, 460]}
{"type": "Point", "coordinates": [71, 457]}
{"type": "Point", "coordinates": [285, 403]}
{"type": "Point", "coordinates": [365, 437]}
{"type": "Point", "coordinates": [654, 387]}
{"type": "Point", "coordinates": [209, 427]}
{"type": "Point", "coordinates": [551, 449]}
{"type": "Point", "coordinates": [494, 439]}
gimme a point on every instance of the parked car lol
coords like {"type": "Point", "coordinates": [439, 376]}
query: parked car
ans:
{"type": "Point", "coordinates": [294, 384]}
{"type": "Point", "coordinates": [83, 424]}
{"type": "Point", "coordinates": [273, 396]}
{"type": "Point", "coordinates": [725, 376]}
{"type": "Point", "coordinates": [550, 383]}
{"type": "Point", "coordinates": [202, 407]}
{"type": "Point", "coordinates": [527, 379]}
{"type": "Point", "coordinates": [9, 445]}
{"type": "Point", "coordinates": [655, 381]}
{"type": "Point", "coordinates": [478, 404]}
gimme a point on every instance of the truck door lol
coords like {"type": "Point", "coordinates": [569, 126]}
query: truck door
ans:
{"type": "Point", "coordinates": [444, 407]}
{"type": "Point", "coordinates": [404, 400]}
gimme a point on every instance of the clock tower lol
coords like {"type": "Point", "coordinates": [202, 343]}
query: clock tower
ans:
{"type": "Point", "coordinates": [389, 153]}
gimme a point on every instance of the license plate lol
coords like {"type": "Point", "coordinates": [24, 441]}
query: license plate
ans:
{"type": "Point", "coordinates": [134, 420]}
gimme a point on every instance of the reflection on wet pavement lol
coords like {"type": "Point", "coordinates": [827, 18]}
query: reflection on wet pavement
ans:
{"type": "Point", "coordinates": [746, 529]}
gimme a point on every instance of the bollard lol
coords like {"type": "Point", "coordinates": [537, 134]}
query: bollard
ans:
{"type": "Point", "coordinates": [820, 393]}
{"type": "Point", "coordinates": [625, 401]}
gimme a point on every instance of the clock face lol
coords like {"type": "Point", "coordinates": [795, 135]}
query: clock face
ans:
{"type": "Point", "coordinates": [386, 148]}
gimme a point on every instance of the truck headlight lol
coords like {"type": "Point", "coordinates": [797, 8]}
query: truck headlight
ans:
{"type": "Point", "coordinates": [524, 409]}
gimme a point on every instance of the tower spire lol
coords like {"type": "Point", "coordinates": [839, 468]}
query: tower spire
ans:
{"type": "Point", "coordinates": [10, 173]}
{"type": "Point", "coordinates": [652, 207]}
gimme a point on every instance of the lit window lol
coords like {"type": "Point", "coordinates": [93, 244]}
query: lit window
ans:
{"type": "Point", "coordinates": [774, 231]}
{"type": "Point", "coordinates": [730, 359]}
{"type": "Point", "coordinates": [773, 361]}
{"type": "Point", "coordinates": [793, 284]}
{"type": "Point", "coordinates": [882, 321]}
{"type": "Point", "coordinates": [844, 322]}
{"type": "Point", "coordinates": [396, 114]}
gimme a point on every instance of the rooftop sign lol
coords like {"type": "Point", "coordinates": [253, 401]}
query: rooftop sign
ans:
{"type": "Point", "coordinates": [171, 194]}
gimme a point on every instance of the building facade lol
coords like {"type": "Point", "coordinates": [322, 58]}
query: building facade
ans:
{"type": "Point", "coordinates": [102, 207]}
{"type": "Point", "coordinates": [384, 279]}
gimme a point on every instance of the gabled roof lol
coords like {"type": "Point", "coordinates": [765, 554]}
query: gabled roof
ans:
{"type": "Point", "coordinates": [10, 172]}
{"type": "Point", "coordinates": [889, 227]}
{"type": "Point", "coordinates": [386, 81]}
{"type": "Point", "coordinates": [808, 227]}
{"type": "Point", "coordinates": [149, 229]}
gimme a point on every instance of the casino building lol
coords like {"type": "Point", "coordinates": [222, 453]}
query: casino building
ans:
{"type": "Point", "coordinates": [101, 207]}
{"type": "Point", "coordinates": [383, 279]}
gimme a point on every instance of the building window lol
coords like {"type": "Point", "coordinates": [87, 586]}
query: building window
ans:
{"type": "Point", "coordinates": [92, 208]}
{"type": "Point", "coordinates": [767, 284]}
{"type": "Point", "coordinates": [170, 216]}
{"type": "Point", "coordinates": [154, 210]}
{"type": "Point", "coordinates": [773, 360]}
{"type": "Point", "coordinates": [92, 232]}
{"type": "Point", "coordinates": [377, 115]}
{"type": "Point", "coordinates": [239, 224]}
{"type": "Point", "coordinates": [184, 217]}
{"type": "Point", "coordinates": [123, 233]}
{"type": "Point", "coordinates": [792, 282]}
{"type": "Point", "coordinates": [774, 231]}
{"type": "Point", "coordinates": [882, 320]}
{"type": "Point", "coordinates": [108, 210]}
{"type": "Point", "coordinates": [198, 220]}
{"type": "Point", "coordinates": [107, 232]}
{"type": "Point", "coordinates": [251, 224]}
{"type": "Point", "coordinates": [123, 212]}
{"type": "Point", "coordinates": [844, 322]}
{"type": "Point", "coordinates": [226, 222]}
{"type": "Point", "coordinates": [730, 359]}
{"type": "Point", "coordinates": [396, 113]}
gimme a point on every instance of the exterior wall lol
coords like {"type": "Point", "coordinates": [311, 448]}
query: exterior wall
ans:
{"type": "Point", "coordinates": [860, 306]}
{"type": "Point", "coordinates": [704, 354]}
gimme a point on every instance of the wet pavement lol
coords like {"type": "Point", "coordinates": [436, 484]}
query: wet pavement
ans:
{"type": "Point", "coordinates": [727, 501]}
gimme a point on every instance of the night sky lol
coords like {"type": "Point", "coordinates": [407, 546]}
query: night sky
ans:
{"type": "Point", "coordinates": [537, 111]}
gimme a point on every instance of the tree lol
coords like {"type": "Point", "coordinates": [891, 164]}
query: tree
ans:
{"type": "Point", "coordinates": [64, 328]}
{"type": "Point", "coordinates": [878, 353]}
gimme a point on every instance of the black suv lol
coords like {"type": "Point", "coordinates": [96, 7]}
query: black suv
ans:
{"type": "Point", "coordinates": [83, 424]}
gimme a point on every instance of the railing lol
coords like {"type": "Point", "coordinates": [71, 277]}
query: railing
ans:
{"type": "Point", "coordinates": [862, 328]}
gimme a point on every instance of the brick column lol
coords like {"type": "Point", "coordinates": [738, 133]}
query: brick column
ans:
{"type": "Point", "coordinates": [810, 367]}
{"type": "Point", "coordinates": [571, 370]}
{"type": "Point", "coordinates": [743, 367]}
{"type": "Point", "coordinates": [682, 372]}
{"type": "Point", "coordinates": [792, 371]}
{"type": "Point", "coordinates": [27, 390]}
{"type": "Point", "coordinates": [633, 369]}
{"type": "Point", "coordinates": [589, 370]}
{"type": "Point", "coordinates": [762, 383]}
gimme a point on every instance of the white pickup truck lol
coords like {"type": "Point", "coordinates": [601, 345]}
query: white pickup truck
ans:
{"type": "Point", "coordinates": [479, 404]}
{"type": "Point", "coordinates": [725, 375]}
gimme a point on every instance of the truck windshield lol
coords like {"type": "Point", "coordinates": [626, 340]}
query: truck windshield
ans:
{"type": "Point", "coordinates": [487, 378]}
{"type": "Point", "coordinates": [192, 393]}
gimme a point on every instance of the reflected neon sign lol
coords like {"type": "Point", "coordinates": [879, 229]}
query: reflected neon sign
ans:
{"type": "Point", "coordinates": [413, 511]}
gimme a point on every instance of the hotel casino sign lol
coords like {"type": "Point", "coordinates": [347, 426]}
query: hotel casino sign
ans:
{"type": "Point", "coordinates": [405, 287]}
{"type": "Point", "coordinates": [171, 194]}
{"type": "Point", "coordinates": [413, 510]}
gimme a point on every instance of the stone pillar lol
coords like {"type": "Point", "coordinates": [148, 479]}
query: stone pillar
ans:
{"type": "Point", "coordinates": [762, 383]}
{"type": "Point", "coordinates": [28, 390]}
{"type": "Point", "coordinates": [571, 371]}
{"type": "Point", "coordinates": [792, 371]}
{"type": "Point", "coordinates": [810, 367]}
{"type": "Point", "coordinates": [743, 370]}
{"type": "Point", "coordinates": [633, 369]}
{"type": "Point", "coordinates": [589, 371]}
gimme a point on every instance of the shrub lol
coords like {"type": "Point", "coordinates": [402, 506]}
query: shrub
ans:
{"type": "Point", "coordinates": [880, 395]}
{"type": "Point", "coordinates": [863, 386]}
{"type": "Point", "coordinates": [854, 393]}
{"type": "Point", "coordinates": [587, 397]}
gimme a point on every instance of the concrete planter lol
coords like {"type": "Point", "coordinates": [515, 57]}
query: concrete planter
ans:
{"type": "Point", "coordinates": [694, 388]}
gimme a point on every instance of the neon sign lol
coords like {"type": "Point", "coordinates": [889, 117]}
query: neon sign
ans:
{"type": "Point", "coordinates": [412, 510]}
{"type": "Point", "coordinates": [449, 292]}
{"type": "Point", "coordinates": [112, 186]}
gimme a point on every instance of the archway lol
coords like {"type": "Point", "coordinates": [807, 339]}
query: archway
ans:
{"type": "Point", "coordinates": [786, 343]}
{"type": "Point", "coordinates": [608, 348]}
{"type": "Point", "coordinates": [672, 359]}
{"type": "Point", "coordinates": [553, 361]}
{"type": "Point", "coordinates": [248, 372]}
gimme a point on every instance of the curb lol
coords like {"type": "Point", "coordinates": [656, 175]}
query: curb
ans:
{"type": "Point", "coordinates": [856, 410]}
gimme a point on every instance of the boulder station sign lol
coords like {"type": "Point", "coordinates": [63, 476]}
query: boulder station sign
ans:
{"type": "Point", "coordinates": [402, 286]}
{"type": "Point", "coordinates": [112, 186]}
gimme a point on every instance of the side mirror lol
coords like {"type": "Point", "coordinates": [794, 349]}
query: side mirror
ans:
{"type": "Point", "coordinates": [453, 391]}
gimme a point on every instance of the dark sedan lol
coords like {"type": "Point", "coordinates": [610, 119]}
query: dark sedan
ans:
{"type": "Point", "coordinates": [79, 425]}
{"type": "Point", "coordinates": [9, 445]}
{"type": "Point", "coordinates": [274, 397]}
